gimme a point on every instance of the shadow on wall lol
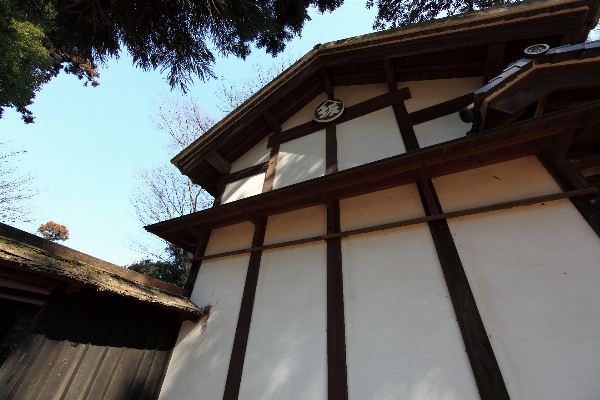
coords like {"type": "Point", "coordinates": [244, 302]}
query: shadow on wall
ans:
{"type": "Point", "coordinates": [293, 168]}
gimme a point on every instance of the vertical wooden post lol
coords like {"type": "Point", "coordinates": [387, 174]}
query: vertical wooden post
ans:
{"type": "Point", "coordinates": [195, 267]}
{"type": "Point", "coordinates": [331, 161]}
{"type": "Point", "coordinates": [337, 374]}
{"type": "Point", "coordinates": [488, 376]}
{"type": "Point", "coordinates": [240, 341]}
{"type": "Point", "coordinates": [401, 113]}
{"type": "Point", "coordinates": [270, 174]}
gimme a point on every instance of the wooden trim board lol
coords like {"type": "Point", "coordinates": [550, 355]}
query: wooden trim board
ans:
{"type": "Point", "coordinates": [412, 221]}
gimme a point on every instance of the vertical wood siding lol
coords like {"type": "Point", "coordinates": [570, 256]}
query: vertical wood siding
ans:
{"type": "Point", "coordinates": [92, 345]}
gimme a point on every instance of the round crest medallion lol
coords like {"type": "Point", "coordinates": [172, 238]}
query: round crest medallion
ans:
{"type": "Point", "coordinates": [329, 110]}
{"type": "Point", "coordinates": [536, 50]}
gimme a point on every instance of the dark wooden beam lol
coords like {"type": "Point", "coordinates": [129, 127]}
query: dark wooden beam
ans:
{"type": "Point", "coordinates": [195, 267]}
{"type": "Point", "coordinates": [326, 82]}
{"type": "Point", "coordinates": [541, 105]}
{"type": "Point", "coordinates": [270, 174]}
{"type": "Point", "coordinates": [331, 161]}
{"type": "Point", "coordinates": [337, 371]}
{"type": "Point", "coordinates": [219, 194]}
{"type": "Point", "coordinates": [24, 294]}
{"type": "Point", "coordinates": [270, 118]}
{"type": "Point", "coordinates": [409, 222]}
{"type": "Point", "coordinates": [561, 146]}
{"type": "Point", "coordinates": [358, 110]}
{"type": "Point", "coordinates": [240, 341]}
{"type": "Point", "coordinates": [494, 61]}
{"type": "Point", "coordinates": [390, 74]}
{"type": "Point", "coordinates": [477, 344]}
{"type": "Point", "coordinates": [568, 178]}
{"type": "Point", "coordinates": [219, 163]}
{"type": "Point", "coordinates": [407, 131]}
{"type": "Point", "coordinates": [441, 109]}
{"type": "Point", "coordinates": [244, 173]}
{"type": "Point", "coordinates": [400, 112]}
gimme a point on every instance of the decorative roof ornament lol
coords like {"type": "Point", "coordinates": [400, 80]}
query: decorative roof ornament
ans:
{"type": "Point", "coordinates": [329, 110]}
{"type": "Point", "coordinates": [536, 50]}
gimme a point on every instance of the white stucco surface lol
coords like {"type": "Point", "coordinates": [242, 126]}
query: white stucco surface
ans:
{"type": "Point", "coordinates": [298, 224]}
{"type": "Point", "coordinates": [256, 155]}
{"type": "Point", "coordinates": [243, 188]}
{"type": "Point", "coordinates": [369, 138]}
{"type": "Point", "coordinates": [534, 273]}
{"type": "Point", "coordinates": [200, 360]}
{"type": "Point", "coordinates": [441, 130]}
{"type": "Point", "coordinates": [402, 338]}
{"type": "Point", "coordinates": [306, 114]}
{"type": "Point", "coordinates": [286, 357]}
{"type": "Point", "coordinates": [352, 95]}
{"type": "Point", "coordinates": [300, 160]}
{"type": "Point", "coordinates": [389, 205]}
{"type": "Point", "coordinates": [428, 93]}
{"type": "Point", "coordinates": [228, 238]}
{"type": "Point", "coordinates": [511, 180]}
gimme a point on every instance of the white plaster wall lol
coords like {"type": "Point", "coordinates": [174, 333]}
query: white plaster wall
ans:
{"type": "Point", "coordinates": [389, 205]}
{"type": "Point", "coordinates": [286, 357]}
{"type": "Point", "coordinates": [243, 188]}
{"type": "Point", "coordinates": [306, 114]}
{"type": "Point", "coordinates": [428, 93]}
{"type": "Point", "coordinates": [402, 338]}
{"type": "Point", "coordinates": [534, 273]}
{"type": "Point", "coordinates": [228, 238]}
{"type": "Point", "coordinates": [200, 360]}
{"type": "Point", "coordinates": [352, 95]}
{"type": "Point", "coordinates": [256, 155]}
{"type": "Point", "coordinates": [300, 160]}
{"type": "Point", "coordinates": [497, 183]}
{"type": "Point", "coordinates": [369, 138]}
{"type": "Point", "coordinates": [298, 224]}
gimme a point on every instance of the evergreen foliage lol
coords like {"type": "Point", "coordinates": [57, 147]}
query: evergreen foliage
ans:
{"type": "Point", "coordinates": [43, 37]}
{"type": "Point", "coordinates": [397, 13]}
{"type": "Point", "coordinates": [174, 270]}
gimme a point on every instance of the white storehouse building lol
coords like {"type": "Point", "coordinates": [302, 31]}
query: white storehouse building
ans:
{"type": "Point", "coordinates": [368, 244]}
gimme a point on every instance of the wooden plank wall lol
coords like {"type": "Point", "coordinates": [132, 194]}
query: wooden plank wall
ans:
{"type": "Point", "coordinates": [92, 345]}
{"type": "Point", "coordinates": [15, 317]}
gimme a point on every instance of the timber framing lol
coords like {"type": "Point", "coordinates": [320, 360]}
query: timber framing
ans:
{"type": "Point", "coordinates": [529, 137]}
{"type": "Point", "coordinates": [240, 341]}
{"type": "Point", "coordinates": [408, 222]}
{"type": "Point", "coordinates": [337, 370]}
{"type": "Point", "coordinates": [452, 47]}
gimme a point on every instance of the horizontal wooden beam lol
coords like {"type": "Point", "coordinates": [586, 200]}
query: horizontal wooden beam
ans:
{"type": "Point", "coordinates": [24, 294]}
{"type": "Point", "coordinates": [408, 222]}
{"type": "Point", "coordinates": [358, 110]}
{"type": "Point", "coordinates": [441, 109]}
{"type": "Point", "coordinates": [244, 173]}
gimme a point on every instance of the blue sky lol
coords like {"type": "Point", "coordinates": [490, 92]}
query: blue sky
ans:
{"type": "Point", "coordinates": [87, 143]}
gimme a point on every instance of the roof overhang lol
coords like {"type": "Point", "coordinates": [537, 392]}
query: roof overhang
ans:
{"type": "Point", "coordinates": [480, 43]}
